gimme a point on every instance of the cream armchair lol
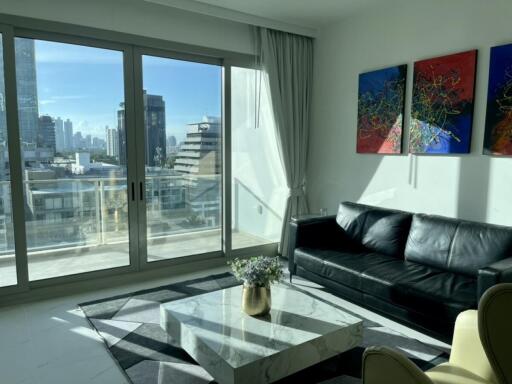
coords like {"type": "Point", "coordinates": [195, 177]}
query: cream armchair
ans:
{"type": "Point", "coordinates": [481, 349]}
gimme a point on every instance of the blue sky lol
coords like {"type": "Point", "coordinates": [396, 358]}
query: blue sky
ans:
{"type": "Point", "coordinates": [85, 85]}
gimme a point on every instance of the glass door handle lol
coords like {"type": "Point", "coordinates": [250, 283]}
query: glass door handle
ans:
{"type": "Point", "coordinates": [141, 191]}
{"type": "Point", "coordinates": [133, 191]}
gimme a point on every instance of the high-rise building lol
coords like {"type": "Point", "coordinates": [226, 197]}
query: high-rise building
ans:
{"type": "Point", "coordinates": [200, 153]}
{"type": "Point", "coordinates": [154, 121]}
{"type": "Point", "coordinates": [26, 81]}
{"type": "Point", "coordinates": [68, 135]}
{"type": "Point", "coordinates": [5, 170]}
{"type": "Point", "coordinates": [46, 133]}
{"type": "Point", "coordinates": [199, 160]}
{"type": "Point", "coordinates": [59, 134]}
{"type": "Point", "coordinates": [121, 133]}
{"type": "Point", "coordinates": [98, 143]}
{"type": "Point", "coordinates": [112, 142]}
{"type": "Point", "coordinates": [172, 147]}
{"type": "Point", "coordinates": [88, 141]}
{"type": "Point", "coordinates": [78, 140]}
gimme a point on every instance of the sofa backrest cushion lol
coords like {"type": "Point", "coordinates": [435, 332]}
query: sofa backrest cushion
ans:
{"type": "Point", "coordinates": [378, 229]}
{"type": "Point", "coordinates": [456, 245]}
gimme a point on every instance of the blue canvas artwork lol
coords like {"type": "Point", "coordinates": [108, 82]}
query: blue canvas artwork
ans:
{"type": "Point", "coordinates": [380, 110]}
{"type": "Point", "coordinates": [498, 121]}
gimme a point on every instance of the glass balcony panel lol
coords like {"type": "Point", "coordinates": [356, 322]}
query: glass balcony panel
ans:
{"type": "Point", "coordinates": [182, 109]}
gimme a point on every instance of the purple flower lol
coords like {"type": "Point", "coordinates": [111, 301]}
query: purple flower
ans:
{"type": "Point", "coordinates": [257, 271]}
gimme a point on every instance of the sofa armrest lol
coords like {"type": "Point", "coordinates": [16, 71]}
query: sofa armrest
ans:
{"type": "Point", "coordinates": [311, 232]}
{"type": "Point", "coordinates": [498, 272]}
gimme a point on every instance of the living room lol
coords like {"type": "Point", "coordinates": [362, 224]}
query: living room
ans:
{"type": "Point", "coordinates": [233, 191]}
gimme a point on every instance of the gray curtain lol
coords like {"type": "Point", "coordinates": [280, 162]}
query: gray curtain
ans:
{"type": "Point", "coordinates": [288, 61]}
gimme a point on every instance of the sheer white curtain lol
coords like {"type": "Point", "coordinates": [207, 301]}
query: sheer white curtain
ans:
{"type": "Point", "coordinates": [288, 61]}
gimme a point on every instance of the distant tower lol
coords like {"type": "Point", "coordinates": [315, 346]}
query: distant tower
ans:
{"type": "Point", "coordinates": [26, 81]}
{"type": "Point", "coordinates": [46, 136]}
{"type": "Point", "coordinates": [98, 143]}
{"type": "Point", "coordinates": [112, 142]}
{"type": "Point", "coordinates": [121, 133]}
{"type": "Point", "coordinates": [68, 135]}
{"type": "Point", "coordinates": [78, 140]}
{"type": "Point", "coordinates": [154, 121]}
{"type": "Point", "coordinates": [59, 134]}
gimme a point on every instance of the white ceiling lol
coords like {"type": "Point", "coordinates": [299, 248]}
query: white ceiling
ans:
{"type": "Point", "coordinates": [306, 13]}
{"type": "Point", "coordinates": [301, 16]}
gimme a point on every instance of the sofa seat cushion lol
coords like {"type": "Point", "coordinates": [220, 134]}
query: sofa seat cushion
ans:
{"type": "Point", "coordinates": [341, 266]}
{"type": "Point", "coordinates": [388, 280]}
{"type": "Point", "coordinates": [444, 295]}
{"type": "Point", "coordinates": [311, 259]}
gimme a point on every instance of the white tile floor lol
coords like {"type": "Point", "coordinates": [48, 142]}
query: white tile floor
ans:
{"type": "Point", "coordinates": [51, 341]}
{"type": "Point", "coordinates": [76, 260]}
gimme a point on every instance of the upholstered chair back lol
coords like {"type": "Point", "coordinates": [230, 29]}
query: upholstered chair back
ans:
{"type": "Point", "coordinates": [495, 329]}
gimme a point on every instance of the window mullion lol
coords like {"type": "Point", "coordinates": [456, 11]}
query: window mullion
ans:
{"type": "Point", "coordinates": [139, 155]}
{"type": "Point", "coordinates": [15, 160]}
{"type": "Point", "coordinates": [132, 161]}
{"type": "Point", "coordinates": [226, 160]}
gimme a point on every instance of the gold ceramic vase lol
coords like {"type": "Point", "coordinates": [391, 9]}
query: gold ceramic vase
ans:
{"type": "Point", "coordinates": [256, 301]}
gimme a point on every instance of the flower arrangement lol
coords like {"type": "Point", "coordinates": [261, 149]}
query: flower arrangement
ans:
{"type": "Point", "coordinates": [258, 271]}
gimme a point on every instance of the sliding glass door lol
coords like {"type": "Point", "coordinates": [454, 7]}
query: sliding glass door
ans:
{"type": "Point", "coordinates": [120, 158]}
{"type": "Point", "coordinates": [73, 148]}
{"type": "Point", "coordinates": [181, 106]}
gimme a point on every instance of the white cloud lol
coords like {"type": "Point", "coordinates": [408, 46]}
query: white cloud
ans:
{"type": "Point", "coordinates": [46, 102]}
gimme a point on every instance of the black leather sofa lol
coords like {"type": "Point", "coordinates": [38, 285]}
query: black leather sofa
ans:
{"type": "Point", "coordinates": [416, 268]}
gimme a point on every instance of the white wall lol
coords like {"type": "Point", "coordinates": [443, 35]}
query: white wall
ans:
{"type": "Point", "coordinates": [471, 186]}
{"type": "Point", "coordinates": [140, 18]}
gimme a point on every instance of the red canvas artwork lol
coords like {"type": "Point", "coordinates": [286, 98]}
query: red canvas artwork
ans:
{"type": "Point", "coordinates": [442, 104]}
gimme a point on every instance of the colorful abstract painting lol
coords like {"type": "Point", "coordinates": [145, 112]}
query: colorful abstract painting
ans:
{"type": "Point", "coordinates": [381, 110]}
{"type": "Point", "coordinates": [498, 121]}
{"type": "Point", "coordinates": [442, 104]}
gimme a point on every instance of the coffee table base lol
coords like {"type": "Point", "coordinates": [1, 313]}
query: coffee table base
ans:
{"type": "Point", "coordinates": [234, 348]}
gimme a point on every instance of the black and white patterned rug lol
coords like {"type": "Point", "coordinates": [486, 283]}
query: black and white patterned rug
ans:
{"type": "Point", "coordinates": [130, 327]}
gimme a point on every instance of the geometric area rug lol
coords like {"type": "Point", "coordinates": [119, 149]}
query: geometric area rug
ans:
{"type": "Point", "coordinates": [129, 325]}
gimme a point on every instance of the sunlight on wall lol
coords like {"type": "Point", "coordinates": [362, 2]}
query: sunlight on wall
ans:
{"type": "Point", "coordinates": [391, 187]}
{"type": "Point", "coordinates": [498, 204]}
{"type": "Point", "coordinates": [470, 186]}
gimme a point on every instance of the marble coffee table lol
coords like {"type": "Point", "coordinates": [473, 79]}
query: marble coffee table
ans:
{"type": "Point", "coordinates": [233, 347]}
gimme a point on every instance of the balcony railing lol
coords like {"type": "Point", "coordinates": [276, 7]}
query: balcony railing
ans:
{"type": "Point", "coordinates": [90, 212]}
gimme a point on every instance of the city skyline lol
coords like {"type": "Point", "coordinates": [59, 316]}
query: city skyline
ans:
{"type": "Point", "coordinates": [189, 94]}
{"type": "Point", "coordinates": [91, 101]}
{"type": "Point", "coordinates": [62, 144]}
